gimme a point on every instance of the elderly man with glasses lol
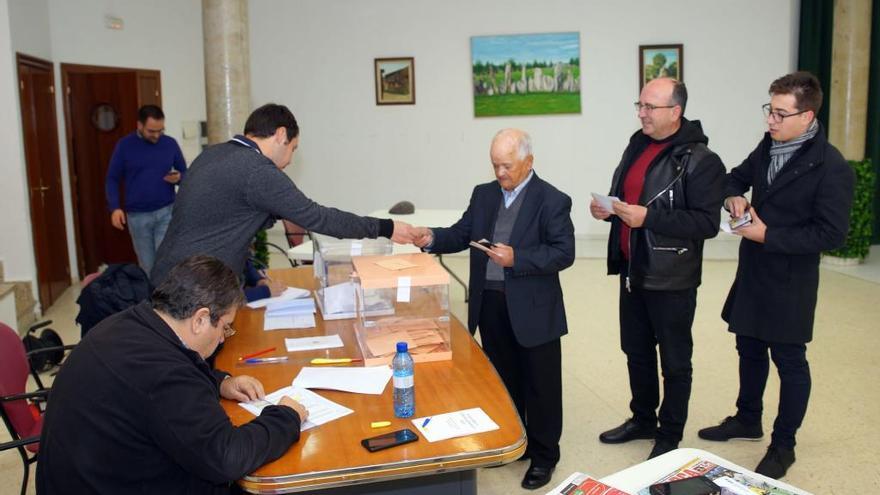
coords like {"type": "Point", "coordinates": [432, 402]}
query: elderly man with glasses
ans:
{"type": "Point", "coordinates": [802, 190]}
{"type": "Point", "coordinates": [670, 187]}
{"type": "Point", "coordinates": [136, 409]}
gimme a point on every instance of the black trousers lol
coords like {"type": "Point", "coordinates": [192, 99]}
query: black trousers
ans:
{"type": "Point", "coordinates": [794, 391]}
{"type": "Point", "coordinates": [533, 377]}
{"type": "Point", "coordinates": [647, 319]}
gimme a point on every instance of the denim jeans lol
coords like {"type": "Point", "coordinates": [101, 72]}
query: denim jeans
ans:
{"type": "Point", "coordinates": [147, 230]}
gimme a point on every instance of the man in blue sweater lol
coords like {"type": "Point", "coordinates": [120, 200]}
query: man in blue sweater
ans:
{"type": "Point", "coordinates": [149, 164]}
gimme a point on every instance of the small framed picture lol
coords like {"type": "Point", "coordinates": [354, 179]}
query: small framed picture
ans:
{"type": "Point", "coordinates": [660, 61]}
{"type": "Point", "coordinates": [395, 81]}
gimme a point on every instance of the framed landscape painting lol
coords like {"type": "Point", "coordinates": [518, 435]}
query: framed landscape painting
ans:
{"type": "Point", "coordinates": [395, 81]}
{"type": "Point", "coordinates": [660, 61]}
{"type": "Point", "coordinates": [526, 74]}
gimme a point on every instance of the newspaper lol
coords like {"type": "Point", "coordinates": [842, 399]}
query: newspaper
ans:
{"type": "Point", "coordinates": [731, 482]}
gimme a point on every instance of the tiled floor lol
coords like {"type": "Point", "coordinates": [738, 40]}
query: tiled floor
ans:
{"type": "Point", "coordinates": [837, 446]}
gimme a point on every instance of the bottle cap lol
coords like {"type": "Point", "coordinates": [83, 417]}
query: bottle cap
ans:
{"type": "Point", "coordinates": [402, 347]}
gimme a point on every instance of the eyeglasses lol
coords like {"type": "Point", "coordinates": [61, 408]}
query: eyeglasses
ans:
{"type": "Point", "coordinates": [776, 115]}
{"type": "Point", "coordinates": [648, 107]}
{"type": "Point", "coordinates": [228, 330]}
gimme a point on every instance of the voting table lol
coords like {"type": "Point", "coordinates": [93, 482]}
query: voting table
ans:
{"type": "Point", "coordinates": [330, 457]}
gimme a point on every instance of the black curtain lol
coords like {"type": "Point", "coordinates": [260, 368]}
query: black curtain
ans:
{"type": "Point", "coordinates": [872, 143]}
{"type": "Point", "coordinates": [814, 47]}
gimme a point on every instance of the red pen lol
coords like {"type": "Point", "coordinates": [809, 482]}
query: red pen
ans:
{"type": "Point", "coordinates": [255, 354]}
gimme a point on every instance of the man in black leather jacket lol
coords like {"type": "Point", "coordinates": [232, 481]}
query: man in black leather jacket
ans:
{"type": "Point", "coordinates": [670, 187]}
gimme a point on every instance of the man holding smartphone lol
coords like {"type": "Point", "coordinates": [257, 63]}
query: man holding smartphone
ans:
{"type": "Point", "coordinates": [149, 164]}
{"type": "Point", "coordinates": [515, 296]}
{"type": "Point", "coordinates": [802, 190]}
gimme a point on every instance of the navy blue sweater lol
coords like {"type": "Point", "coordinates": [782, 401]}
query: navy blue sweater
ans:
{"type": "Point", "coordinates": [142, 166]}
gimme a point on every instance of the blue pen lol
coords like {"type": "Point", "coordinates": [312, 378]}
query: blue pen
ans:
{"type": "Point", "coordinates": [266, 360]}
{"type": "Point", "coordinates": [426, 421]}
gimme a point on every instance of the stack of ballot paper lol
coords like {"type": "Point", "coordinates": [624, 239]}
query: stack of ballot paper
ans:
{"type": "Point", "coordinates": [288, 294]}
{"type": "Point", "coordinates": [290, 313]}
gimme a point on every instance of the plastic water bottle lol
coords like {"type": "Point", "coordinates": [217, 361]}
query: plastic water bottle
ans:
{"type": "Point", "coordinates": [404, 385]}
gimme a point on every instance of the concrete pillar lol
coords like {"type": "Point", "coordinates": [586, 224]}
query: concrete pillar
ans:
{"type": "Point", "coordinates": [850, 59]}
{"type": "Point", "coordinates": [227, 67]}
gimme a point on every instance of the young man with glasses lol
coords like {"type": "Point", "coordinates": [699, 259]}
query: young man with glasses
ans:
{"type": "Point", "coordinates": [136, 409]}
{"type": "Point", "coordinates": [801, 193]}
{"type": "Point", "coordinates": [670, 185]}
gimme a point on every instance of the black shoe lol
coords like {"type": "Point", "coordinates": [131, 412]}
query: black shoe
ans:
{"type": "Point", "coordinates": [731, 429]}
{"type": "Point", "coordinates": [776, 462]}
{"type": "Point", "coordinates": [536, 477]}
{"type": "Point", "coordinates": [629, 430]}
{"type": "Point", "coordinates": [661, 447]}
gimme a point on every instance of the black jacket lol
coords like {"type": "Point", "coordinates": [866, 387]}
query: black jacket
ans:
{"type": "Point", "coordinates": [543, 245]}
{"type": "Point", "coordinates": [683, 192]}
{"type": "Point", "coordinates": [119, 287]}
{"type": "Point", "coordinates": [806, 210]}
{"type": "Point", "coordinates": [133, 411]}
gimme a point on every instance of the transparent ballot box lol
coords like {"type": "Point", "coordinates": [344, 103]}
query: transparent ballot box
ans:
{"type": "Point", "coordinates": [416, 290]}
{"type": "Point", "coordinates": [335, 291]}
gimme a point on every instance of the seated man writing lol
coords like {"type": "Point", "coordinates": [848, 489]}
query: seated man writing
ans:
{"type": "Point", "coordinates": [135, 408]}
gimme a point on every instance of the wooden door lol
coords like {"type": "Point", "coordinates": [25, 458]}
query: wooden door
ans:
{"type": "Point", "coordinates": [40, 131]}
{"type": "Point", "coordinates": [102, 108]}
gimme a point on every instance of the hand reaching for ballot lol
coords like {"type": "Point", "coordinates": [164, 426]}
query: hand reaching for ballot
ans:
{"type": "Point", "coordinates": [423, 236]}
{"type": "Point", "coordinates": [501, 254]}
{"type": "Point", "coordinates": [296, 406]}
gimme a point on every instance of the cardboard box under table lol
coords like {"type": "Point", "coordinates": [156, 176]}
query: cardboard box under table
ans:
{"type": "Point", "coordinates": [335, 292]}
{"type": "Point", "coordinates": [415, 290]}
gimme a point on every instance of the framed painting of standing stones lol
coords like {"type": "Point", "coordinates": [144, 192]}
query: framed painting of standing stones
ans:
{"type": "Point", "coordinates": [395, 81]}
{"type": "Point", "coordinates": [526, 74]}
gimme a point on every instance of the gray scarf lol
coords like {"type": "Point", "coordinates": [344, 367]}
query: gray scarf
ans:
{"type": "Point", "coordinates": [781, 152]}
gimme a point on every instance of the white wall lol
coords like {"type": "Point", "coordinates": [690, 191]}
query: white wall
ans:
{"type": "Point", "coordinates": [317, 58]}
{"type": "Point", "coordinates": [16, 250]}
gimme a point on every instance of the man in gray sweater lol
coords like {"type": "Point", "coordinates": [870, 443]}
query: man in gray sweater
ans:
{"type": "Point", "coordinates": [237, 188]}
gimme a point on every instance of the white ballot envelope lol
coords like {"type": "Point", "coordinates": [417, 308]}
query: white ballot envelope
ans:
{"type": "Point", "coordinates": [605, 201]}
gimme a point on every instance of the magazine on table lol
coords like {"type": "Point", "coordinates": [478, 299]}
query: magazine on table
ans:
{"type": "Point", "coordinates": [584, 484]}
{"type": "Point", "coordinates": [731, 482]}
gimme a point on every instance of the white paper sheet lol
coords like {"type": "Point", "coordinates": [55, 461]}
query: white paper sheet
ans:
{"type": "Point", "coordinates": [455, 424]}
{"type": "Point", "coordinates": [339, 298]}
{"type": "Point", "coordinates": [321, 410]}
{"type": "Point", "coordinates": [366, 380]}
{"type": "Point", "coordinates": [310, 343]}
{"type": "Point", "coordinates": [291, 306]}
{"type": "Point", "coordinates": [289, 293]}
{"type": "Point", "coordinates": [288, 321]}
{"type": "Point", "coordinates": [605, 201]}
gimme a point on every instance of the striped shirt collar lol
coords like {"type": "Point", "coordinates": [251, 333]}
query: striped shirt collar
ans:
{"type": "Point", "coordinates": [244, 141]}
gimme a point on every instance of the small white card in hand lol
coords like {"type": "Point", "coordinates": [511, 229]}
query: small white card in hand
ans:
{"type": "Point", "coordinates": [311, 343]}
{"type": "Point", "coordinates": [455, 424]}
{"type": "Point", "coordinates": [605, 201]}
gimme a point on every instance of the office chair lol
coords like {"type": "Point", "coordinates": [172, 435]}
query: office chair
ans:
{"type": "Point", "coordinates": [295, 236]}
{"type": "Point", "coordinates": [20, 410]}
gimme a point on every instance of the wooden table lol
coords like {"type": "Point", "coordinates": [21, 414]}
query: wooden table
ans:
{"type": "Point", "coordinates": [331, 455]}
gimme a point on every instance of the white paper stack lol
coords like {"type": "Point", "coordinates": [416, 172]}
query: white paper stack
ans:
{"type": "Point", "coordinates": [290, 313]}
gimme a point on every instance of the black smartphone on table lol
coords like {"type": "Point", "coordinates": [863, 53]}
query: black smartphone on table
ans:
{"type": "Point", "coordinates": [698, 485]}
{"type": "Point", "coordinates": [388, 440]}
